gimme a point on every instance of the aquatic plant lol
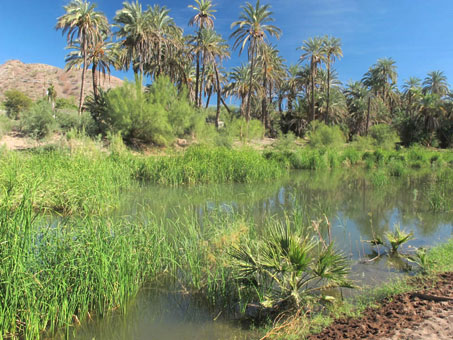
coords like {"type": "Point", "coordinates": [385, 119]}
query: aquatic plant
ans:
{"type": "Point", "coordinates": [289, 268]}
{"type": "Point", "coordinates": [397, 238]}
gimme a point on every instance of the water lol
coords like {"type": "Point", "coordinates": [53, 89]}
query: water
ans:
{"type": "Point", "coordinates": [355, 209]}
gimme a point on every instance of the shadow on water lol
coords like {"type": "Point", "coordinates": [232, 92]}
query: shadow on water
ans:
{"type": "Point", "coordinates": [356, 210]}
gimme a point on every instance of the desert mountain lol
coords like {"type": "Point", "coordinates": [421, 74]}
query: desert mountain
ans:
{"type": "Point", "coordinates": [34, 79]}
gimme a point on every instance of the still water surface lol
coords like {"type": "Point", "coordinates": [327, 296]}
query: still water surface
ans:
{"type": "Point", "coordinates": [355, 209]}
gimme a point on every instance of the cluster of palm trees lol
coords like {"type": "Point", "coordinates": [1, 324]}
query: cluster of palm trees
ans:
{"type": "Point", "coordinates": [289, 98]}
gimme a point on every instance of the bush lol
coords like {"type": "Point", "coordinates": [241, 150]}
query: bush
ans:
{"type": "Point", "coordinates": [64, 103]}
{"type": "Point", "coordinates": [39, 121]}
{"type": "Point", "coordinates": [156, 116]}
{"type": "Point", "coordinates": [15, 103]}
{"type": "Point", "coordinates": [6, 125]}
{"type": "Point", "coordinates": [323, 135]}
{"type": "Point", "coordinates": [384, 136]}
{"type": "Point", "coordinates": [70, 119]}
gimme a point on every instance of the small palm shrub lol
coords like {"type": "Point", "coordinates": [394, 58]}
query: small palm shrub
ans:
{"type": "Point", "coordinates": [397, 238]}
{"type": "Point", "coordinates": [288, 268]}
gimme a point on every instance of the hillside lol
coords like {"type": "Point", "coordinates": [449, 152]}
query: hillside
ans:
{"type": "Point", "coordinates": [34, 79]}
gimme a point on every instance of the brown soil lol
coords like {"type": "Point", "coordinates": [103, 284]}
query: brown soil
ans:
{"type": "Point", "coordinates": [425, 314]}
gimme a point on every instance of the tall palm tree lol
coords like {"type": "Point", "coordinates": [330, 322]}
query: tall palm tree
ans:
{"type": "Point", "coordinates": [313, 50]}
{"type": "Point", "coordinates": [332, 51]}
{"type": "Point", "coordinates": [293, 83]}
{"type": "Point", "coordinates": [251, 29]}
{"type": "Point", "coordinates": [215, 49]}
{"type": "Point", "coordinates": [164, 33]}
{"type": "Point", "coordinates": [381, 77]}
{"type": "Point", "coordinates": [273, 72]}
{"type": "Point", "coordinates": [358, 100]}
{"type": "Point", "coordinates": [411, 90]}
{"type": "Point", "coordinates": [435, 83]}
{"type": "Point", "coordinates": [98, 56]}
{"type": "Point", "coordinates": [239, 85]}
{"type": "Point", "coordinates": [84, 24]}
{"type": "Point", "coordinates": [134, 29]}
{"type": "Point", "coordinates": [204, 18]}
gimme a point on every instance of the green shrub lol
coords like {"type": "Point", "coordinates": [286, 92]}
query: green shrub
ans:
{"type": "Point", "coordinates": [15, 103]}
{"type": "Point", "coordinates": [66, 103]}
{"type": "Point", "coordinates": [70, 119]}
{"type": "Point", "coordinates": [284, 142]}
{"type": "Point", "coordinates": [384, 136]}
{"type": "Point", "coordinates": [351, 155]}
{"type": "Point", "coordinates": [6, 125]}
{"type": "Point", "coordinates": [156, 116]}
{"type": "Point", "coordinates": [38, 122]}
{"type": "Point", "coordinates": [323, 135]}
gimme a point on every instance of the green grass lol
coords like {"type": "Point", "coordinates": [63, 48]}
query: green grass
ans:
{"type": "Point", "coordinates": [54, 273]}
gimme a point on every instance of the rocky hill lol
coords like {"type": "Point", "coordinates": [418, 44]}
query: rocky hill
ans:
{"type": "Point", "coordinates": [34, 79]}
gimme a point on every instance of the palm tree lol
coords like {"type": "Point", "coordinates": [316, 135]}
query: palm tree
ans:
{"type": "Point", "coordinates": [134, 28]}
{"type": "Point", "coordinates": [358, 100]}
{"type": "Point", "coordinates": [251, 28]}
{"type": "Point", "coordinates": [411, 89]}
{"type": "Point", "coordinates": [98, 56]}
{"type": "Point", "coordinates": [215, 49]}
{"type": "Point", "coordinates": [203, 19]}
{"type": "Point", "coordinates": [435, 83]}
{"type": "Point", "coordinates": [239, 85]}
{"type": "Point", "coordinates": [313, 50]}
{"type": "Point", "coordinates": [332, 50]}
{"type": "Point", "coordinates": [273, 71]}
{"type": "Point", "coordinates": [83, 24]}
{"type": "Point", "coordinates": [293, 83]}
{"type": "Point", "coordinates": [381, 77]}
{"type": "Point", "coordinates": [164, 34]}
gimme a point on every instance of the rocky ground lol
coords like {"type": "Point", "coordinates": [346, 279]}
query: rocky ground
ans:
{"type": "Point", "coordinates": [424, 314]}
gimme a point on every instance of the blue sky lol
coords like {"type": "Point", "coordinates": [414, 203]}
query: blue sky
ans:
{"type": "Point", "coordinates": [416, 34]}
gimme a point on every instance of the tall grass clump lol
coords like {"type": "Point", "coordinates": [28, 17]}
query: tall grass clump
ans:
{"type": "Point", "coordinates": [66, 183]}
{"type": "Point", "coordinates": [201, 164]}
{"type": "Point", "coordinates": [53, 275]}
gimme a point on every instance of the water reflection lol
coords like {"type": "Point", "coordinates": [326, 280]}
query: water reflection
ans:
{"type": "Point", "coordinates": [356, 210]}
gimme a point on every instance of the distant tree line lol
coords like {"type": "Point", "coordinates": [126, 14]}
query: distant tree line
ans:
{"type": "Point", "coordinates": [285, 98]}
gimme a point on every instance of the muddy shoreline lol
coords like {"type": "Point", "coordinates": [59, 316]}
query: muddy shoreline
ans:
{"type": "Point", "coordinates": [426, 313]}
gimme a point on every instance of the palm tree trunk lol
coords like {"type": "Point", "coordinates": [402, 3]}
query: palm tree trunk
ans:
{"type": "Point", "coordinates": [202, 81]}
{"type": "Point", "coordinates": [209, 97]}
{"type": "Point", "coordinates": [368, 116]}
{"type": "Point", "coordinates": [263, 101]}
{"type": "Point", "coordinates": [225, 105]}
{"type": "Point", "coordinates": [328, 90]}
{"type": "Point", "coordinates": [82, 85]}
{"type": "Point", "coordinates": [219, 94]}
{"type": "Point", "coordinates": [312, 113]}
{"type": "Point", "coordinates": [243, 105]}
{"type": "Point", "coordinates": [197, 79]}
{"type": "Point", "coordinates": [159, 56]}
{"type": "Point", "coordinates": [267, 123]}
{"type": "Point", "coordinates": [95, 81]}
{"type": "Point", "coordinates": [252, 67]}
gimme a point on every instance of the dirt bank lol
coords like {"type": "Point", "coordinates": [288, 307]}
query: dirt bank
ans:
{"type": "Point", "coordinates": [424, 314]}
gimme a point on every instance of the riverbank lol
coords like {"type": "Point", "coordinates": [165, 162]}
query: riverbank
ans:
{"type": "Point", "coordinates": [91, 262]}
{"type": "Point", "coordinates": [419, 307]}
